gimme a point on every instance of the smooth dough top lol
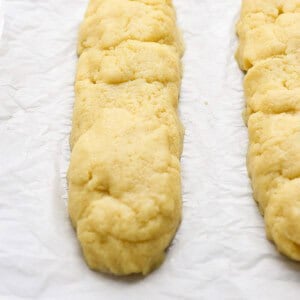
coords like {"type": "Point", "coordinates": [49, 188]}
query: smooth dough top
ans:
{"type": "Point", "coordinates": [92, 98]}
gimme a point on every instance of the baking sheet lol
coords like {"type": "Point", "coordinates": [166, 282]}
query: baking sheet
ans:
{"type": "Point", "coordinates": [220, 251]}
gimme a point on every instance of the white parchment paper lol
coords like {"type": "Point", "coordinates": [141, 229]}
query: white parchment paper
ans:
{"type": "Point", "coordinates": [220, 251]}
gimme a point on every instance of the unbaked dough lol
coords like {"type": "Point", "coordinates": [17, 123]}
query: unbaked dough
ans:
{"type": "Point", "coordinates": [124, 175]}
{"type": "Point", "coordinates": [269, 50]}
{"type": "Point", "coordinates": [267, 28]}
{"type": "Point", "coordinates": [108, 23]}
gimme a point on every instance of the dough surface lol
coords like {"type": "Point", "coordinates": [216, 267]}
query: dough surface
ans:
{"type": "Point", "coordinates": [267, 28]}
{"type": "Point", "coordinates": [269, 51]}
{"type": "Point", "coordinates": [108, 23]}
{"type": "Point", "coordinates": [126, 140]}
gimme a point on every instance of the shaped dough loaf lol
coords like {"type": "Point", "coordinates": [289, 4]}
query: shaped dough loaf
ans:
{"type": "Point", "coordinates": [269, 50]}
{"type": "Point", "coordinates": [124, 175]}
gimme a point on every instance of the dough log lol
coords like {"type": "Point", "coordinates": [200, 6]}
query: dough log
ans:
{"type": "Point", "coordinates": [270, 53]}
{"type": "Point", "coordinates": [126, 140]}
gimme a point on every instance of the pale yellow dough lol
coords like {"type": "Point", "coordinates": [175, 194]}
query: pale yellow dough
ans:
{"type": "Point", "coordinates": [108, 23]}
{"type": "Point", "coordinates": [125, 198]}
{"type": "Point", "coordinates": [267, 28]}
{"type": "Point", "coordinates": [269, 50]}
{"type": "Point", "coordinates": [124, 175]}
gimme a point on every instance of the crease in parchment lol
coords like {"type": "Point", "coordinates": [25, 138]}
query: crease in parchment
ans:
{"type": "Point", "coordinates": [1, 19]}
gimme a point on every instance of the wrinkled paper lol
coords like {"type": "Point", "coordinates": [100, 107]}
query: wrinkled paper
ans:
{"type": "Point", "coordinates": [220, 251]}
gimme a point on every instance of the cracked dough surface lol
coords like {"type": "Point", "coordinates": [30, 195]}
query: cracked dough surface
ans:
{"type": "Point", "coordinates": [108, 23]}
{"type": "Point", "coordinates": [124, 175]}
{"type": "Point", "coordinates": [267, 28]}
{"type": "Point", "coordinates": [269, 51]}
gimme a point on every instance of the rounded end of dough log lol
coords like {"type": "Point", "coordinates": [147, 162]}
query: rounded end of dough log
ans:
{"type": "Point", "coordinates": [282, 219]}
{"type": "Point", "coordinates": [124, 193]}
{"type": "Point", "coordinates": [110, 254]}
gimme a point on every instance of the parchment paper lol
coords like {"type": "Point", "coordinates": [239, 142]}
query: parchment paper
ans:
{"type": "Point", "coordinates": [220, 251]}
